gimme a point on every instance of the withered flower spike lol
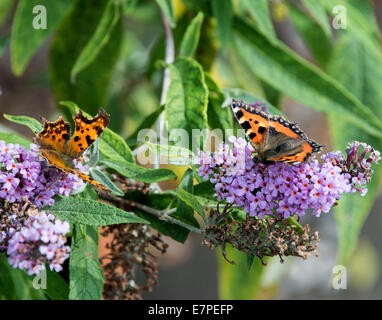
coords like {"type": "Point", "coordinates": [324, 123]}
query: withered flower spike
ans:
{"type": "Point", "coordinates": [261, 237]}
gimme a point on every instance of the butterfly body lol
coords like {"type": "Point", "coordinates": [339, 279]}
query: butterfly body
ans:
{"type": "Point", "coordinates": [274, 138]}
{"type": "Point", "coordinates": [60, 149]}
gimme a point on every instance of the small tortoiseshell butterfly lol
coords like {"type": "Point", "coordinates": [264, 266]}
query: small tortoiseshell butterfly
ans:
{"type": "Point", "coordinates": [275, 138]}
{"type": "Point", "coordinates": [60, 149]}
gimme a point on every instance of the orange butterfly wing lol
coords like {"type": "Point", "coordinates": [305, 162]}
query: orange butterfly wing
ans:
{"type": "Point", "coordinates": [59, 149]}
{"type": "Point", "coordinates": [54, 135]}
{"type": "Point", "coordinates": [254, 122]}
{"type": "Point", "coordinates": [86, 132]}
{"type": "Point", "coordinates": [265, 131]}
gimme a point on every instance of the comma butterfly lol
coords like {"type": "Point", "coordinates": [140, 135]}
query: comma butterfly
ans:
{"type": "Point", "coordinates": [275, 138]}
{"type": "Point", "coordinates": [60, 149]}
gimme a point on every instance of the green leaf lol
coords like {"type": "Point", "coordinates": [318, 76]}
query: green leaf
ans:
{"type": "Point", "coordinates": [15, 284]}
{"type": "Point", "coordinates": [205, 189]}
{"type": "Point", "coordinates": [114, 147]}
{"type": "Point", "coordinates": [91, 86]}
{"type": "Point", "coordinates": [7, 287]}
{"type": "Point", "coordinates": [174, 154]}
{"type": "Point", "coordinates": [103, 179]}
{"type": "Point", "coordinates": [3, 44]}
{"type": "Point", "coordinates": [148, 122]}
{"type": "Point", "coordinates": [134, 171]}
{"type": "Point", "coordinates": [183, 211]}
{"type": "Point", "coordinates": [160, 202]}
{"type": "Point", "coordinates": [90, 212]}
{"type": "Point", "coordinates": [166, 7]}
{"type": "Point", "coordinates": [250, 260]}
{"type": "Point", "coordinates": [300, 80]}
{"type": "Point", "coordinates": [222, 11]}
{"type": "Point", "coordinates": [14, 138]}
{"type": "Point", "coordinates": [191, 37]}
{"type": "Point", "coordinates": [57, 287]}
{"type": "Point", "coordinates": [238, 282]}
{"type": "Point", "coordinates": [247, 97]}
{"type": "Point", "coordinates": [199, 5]}
{"type": "Point", "coordinates": [360, 70]}
{"type": "Point", "coordinates": [187, 98]}
{"type": "Point", "coordinates": [218, 117]}
{"type": "Point", "coordinates": [86, 277]}
{"type": "Point", "coordinates": [360, 21]}
{"type": "Point", "coordinates": [315, 38]}
{"type": "Point", "coordinates": [88, 193]}
{"type": "Point", "coordinates": [5, 9]}
{"type": "Point", "coordinates": [31, 123]}
{"type": "Point", "coordinates": [128, 6]}
{"type": "Point", "coordinates": [191, 200]}
{"type": "Point", "coordinates": [319, 14]}
{"type": "Point", "coordinates": [25, 39]}
{"type": "Point", "coordinates": [259, 11]}
{"type": "Point", "coordinates": [111, 144]}
{"type": "Point", "coordinates": [99, 39]}
{"type": "Point", "coordinates": [94, 154]}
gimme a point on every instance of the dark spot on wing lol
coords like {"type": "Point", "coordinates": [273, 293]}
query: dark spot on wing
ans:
{"type": "Point", "coordinates": [89, 140]}
{"type": "Point", "coordinates": [261, 130]}
{"type": "Point", "coordinates": [246, 125]}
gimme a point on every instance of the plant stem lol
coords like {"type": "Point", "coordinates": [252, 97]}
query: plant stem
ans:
{"type": "Point", "coordinates": [161, 214]}
{"type": "Point", "coordinates": [169, 58]}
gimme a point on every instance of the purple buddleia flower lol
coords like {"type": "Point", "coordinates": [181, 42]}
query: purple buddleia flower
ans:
{"type": "Point", "coordinates": [25, 175]}
{"type": "Point", "coordinates": [283, 189]}
{"type": "Point", "coordinates": [40, 240]}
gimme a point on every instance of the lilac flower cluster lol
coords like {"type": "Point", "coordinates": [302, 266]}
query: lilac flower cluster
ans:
{"type": "Point", "coordinates": [282, 189]}
{"type": "Point", "coordinates": [23, 175]}
{"type": "Point", "coordinates": [41, 240]}
{"type": "Point", "coordinates": [31, 238]}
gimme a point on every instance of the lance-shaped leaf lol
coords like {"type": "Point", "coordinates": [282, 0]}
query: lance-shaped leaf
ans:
{"type": "Point", "coordinates": [90, 212]}
{"type": "Point", "coordinates": [31, 123]}
{"type": "Point", "coordinates": [319, 14]}
{"type": "Point", "coordinates": [360, 71]}
{"type": "Point", "coordinates": [29, 29]}
{"type": "Point", "coordinates": [222, 12]}
{"type": "Point", "coordinates": [259, 11]}
{"type": "Point", "coordinates": [134, 171]}
{"type": "Point", "coordinates": [91, 86]}
{"type": "Point", "coordinates": [191, 37]}
{"type": "Point", "coordinates": [103, 179]}
{"type": "Point", "coordinates": [86, 277]}
{"type": "Point", "coordinates": [99, 39]}
{"type": "Point", "coordinates": [315, 38]}
{"type": "Point", "coordinates": [191, 200]}
{"type": "Point", "coordinates": [187, 97]}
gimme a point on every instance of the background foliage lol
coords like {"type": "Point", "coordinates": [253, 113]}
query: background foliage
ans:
{"type": "Point", "coordinates": [114, 53]}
